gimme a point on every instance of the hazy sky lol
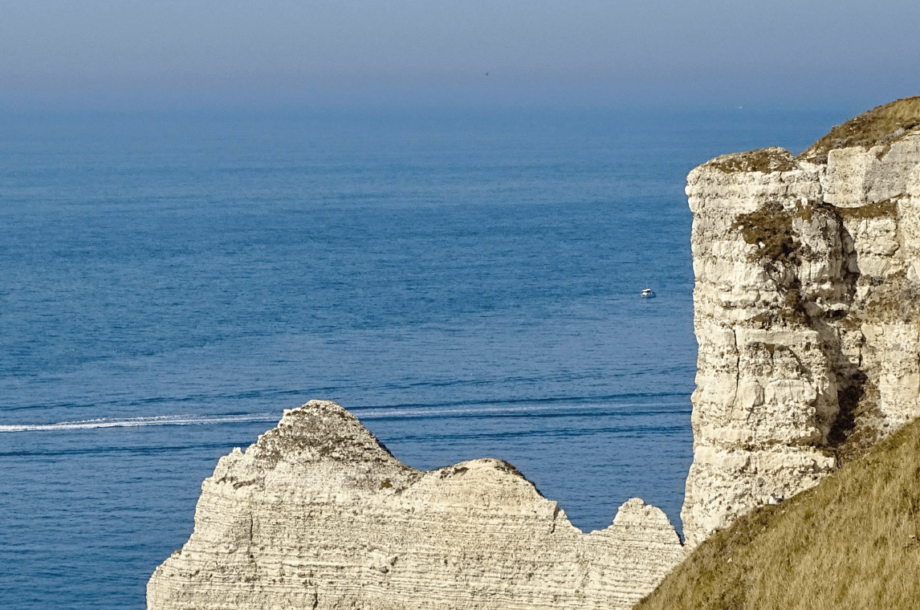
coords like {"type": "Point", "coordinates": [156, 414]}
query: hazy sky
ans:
{"type": "Point", "coordinates": [285, 52]}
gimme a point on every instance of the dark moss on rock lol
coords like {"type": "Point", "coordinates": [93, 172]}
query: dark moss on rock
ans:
{"type": "Point", "coordinates": [880, 209]}
{"type": "Point", "coordinates": [776, 231]}
{"type": "Point", "coordinates": [770, 229]}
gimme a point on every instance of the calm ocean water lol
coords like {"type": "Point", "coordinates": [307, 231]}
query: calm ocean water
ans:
{"type": "Point", "coordinates": [466, 283]}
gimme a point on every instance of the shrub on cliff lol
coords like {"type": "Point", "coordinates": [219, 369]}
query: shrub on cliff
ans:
{"type": "Point", "coordinates": [852, 542]}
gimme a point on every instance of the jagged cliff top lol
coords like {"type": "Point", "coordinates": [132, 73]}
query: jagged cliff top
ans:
{"type": "Point", "coordinates": [881, 125]}
{"type": "Point", "coordinates": [318, 514]}
{"type": "Point", "coordinates": [321, 430]}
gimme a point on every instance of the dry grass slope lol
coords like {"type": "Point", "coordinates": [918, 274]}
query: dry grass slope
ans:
{"type": "Point", "coordinates": [881, 125]}
{"type": "Point", "coordinates": [852, 542]}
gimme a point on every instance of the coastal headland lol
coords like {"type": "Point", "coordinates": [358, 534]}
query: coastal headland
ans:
{"type": "Point", "coordinates": [806, 313]}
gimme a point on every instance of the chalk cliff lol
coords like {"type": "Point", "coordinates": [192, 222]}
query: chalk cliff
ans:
{"type": "Point", "coordinates": [807, 314]}
{"type": "Point", "coordinates": [805, 310]}
{"type": "Point", "coordinates": [317, 514]}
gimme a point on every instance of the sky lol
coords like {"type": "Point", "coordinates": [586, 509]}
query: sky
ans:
{"type": "Point", "coordinates": [287, 53]}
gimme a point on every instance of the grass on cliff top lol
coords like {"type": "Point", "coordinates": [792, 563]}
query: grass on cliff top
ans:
{"type": "Point", "coordinates": [766, 160]}
{"type": "Point", "coordinates": [881, 125]}
{"type": "Point", "coordinates": [851, 542]}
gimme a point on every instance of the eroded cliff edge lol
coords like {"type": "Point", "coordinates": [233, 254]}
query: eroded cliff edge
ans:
{"type": "Point", "coordinates": [805, 310]}
{"type": "Point", "coordinates": [807, 314]}
{"type": "Point", "coordinates": [318, 514]}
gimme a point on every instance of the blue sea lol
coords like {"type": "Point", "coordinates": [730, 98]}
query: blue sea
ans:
{"type": "Point", "coordinates": [465, 282]}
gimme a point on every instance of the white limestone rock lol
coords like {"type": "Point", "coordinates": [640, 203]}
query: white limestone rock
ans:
{"type": "Point", "coordinates": [807, 315]}
{"type": "Point", "coordinates": [725, 484]}
{"type": "Point", "coordinates": [317, 514]}
{"type": "Point", "coordinates": [806, 311]}
{"type": "Point", "coordinates": [857, 176]}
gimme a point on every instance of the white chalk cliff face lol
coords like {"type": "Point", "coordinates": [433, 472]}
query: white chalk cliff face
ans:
{"type": "Point", "coordinates": [807, 315]}
{"type": "Point", "coordinates": [805, 310]}
{"type": "Point", "coordinates": [317, 514]}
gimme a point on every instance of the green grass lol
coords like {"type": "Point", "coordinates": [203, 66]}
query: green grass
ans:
{"type": "Point", "coordinates": [851, 542]}
{"type": "Point", "coordinates": [881, 125]}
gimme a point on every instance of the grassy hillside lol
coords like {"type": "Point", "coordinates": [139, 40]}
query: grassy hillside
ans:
{"type": "Point", "coordinates": [852, 542]}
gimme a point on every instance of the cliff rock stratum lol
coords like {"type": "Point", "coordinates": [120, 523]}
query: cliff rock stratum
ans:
{"type": "Point", "coordinates": [807, 315]}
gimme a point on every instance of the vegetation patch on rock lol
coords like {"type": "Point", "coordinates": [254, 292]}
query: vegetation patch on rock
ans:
{"type": "Point", "coordinates": [770, 229]}
{"type": "Point", "coordinates": [896, 300]}
{"type": "Point", "coordinates": [880, 209]}
{"type": "Point", "coordinates": [320, 430]}
{"type": "Point", "coordinates": [766, 160]}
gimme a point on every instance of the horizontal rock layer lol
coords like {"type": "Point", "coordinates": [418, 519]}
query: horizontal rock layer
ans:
{"type": "Point", "coordinates": [317, 514]}
{"type": "Point", "coordinates": [805, 311]}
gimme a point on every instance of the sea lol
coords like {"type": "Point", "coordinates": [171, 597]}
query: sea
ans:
{"type": "Point", "coordinates": [465, 281]}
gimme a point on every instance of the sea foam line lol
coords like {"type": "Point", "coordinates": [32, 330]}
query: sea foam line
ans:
{"type": "Point", "coordinates": [137, 422]}
{"type": "Point", "coordinates": [394, 412]}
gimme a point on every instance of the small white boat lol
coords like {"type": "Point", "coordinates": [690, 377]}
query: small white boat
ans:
{"type": "Point", "coordinates": [647, 294]}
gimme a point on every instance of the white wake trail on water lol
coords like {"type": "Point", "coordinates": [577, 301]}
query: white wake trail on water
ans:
{"type": "Point", "coordinates": [394, 412]}
{"type": "Point", "coordinates": [137, 422]}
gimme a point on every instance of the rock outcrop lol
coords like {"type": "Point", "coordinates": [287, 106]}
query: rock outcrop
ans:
{"type": "Point", "coordinates": [805, 310]}
{"type": "Point", "coordinates": [807, 314]}
{"type": "Point", "coordinates": [318, 514]}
